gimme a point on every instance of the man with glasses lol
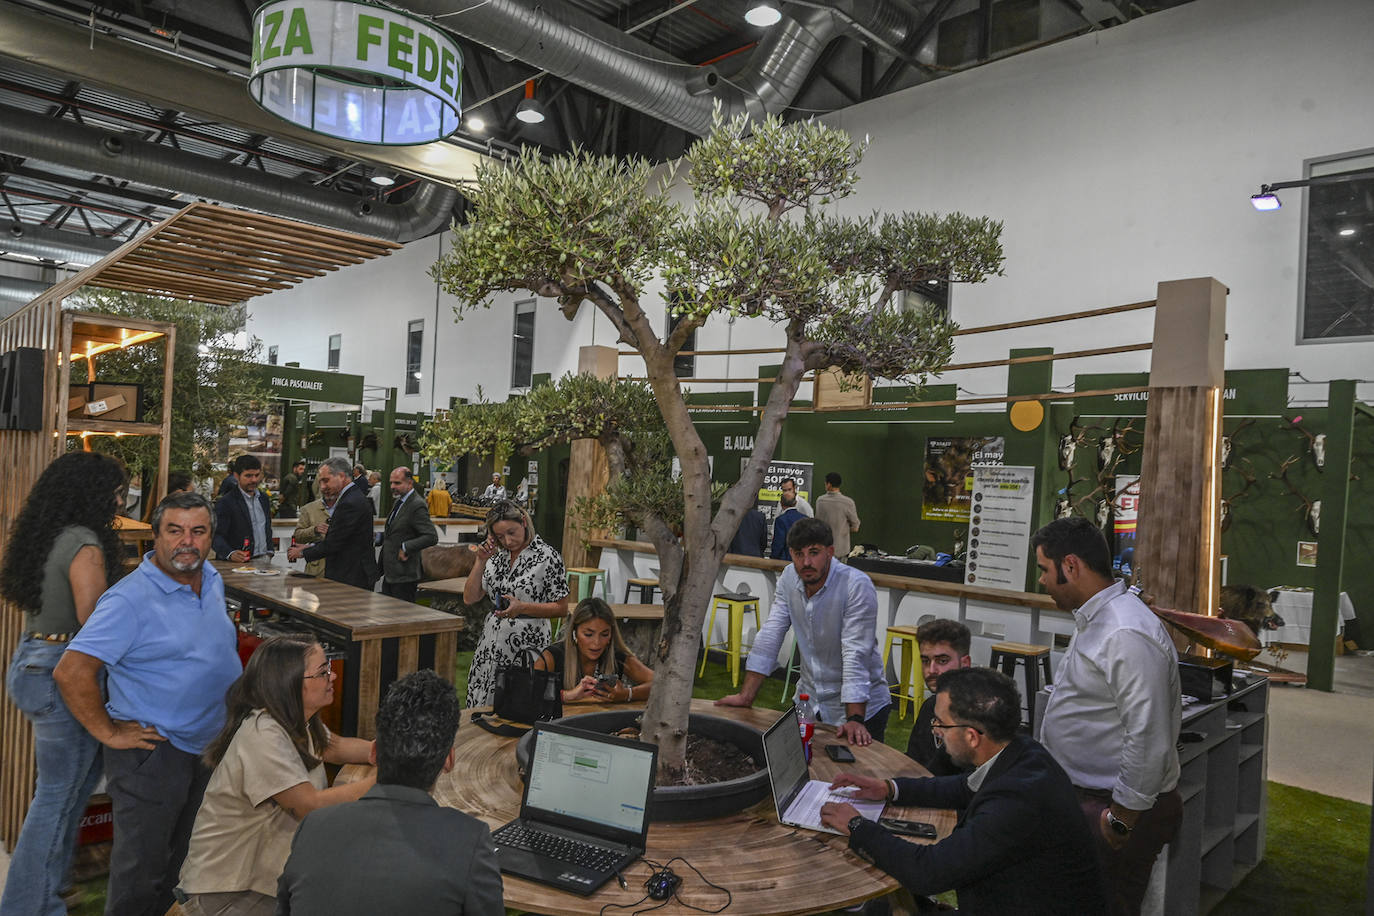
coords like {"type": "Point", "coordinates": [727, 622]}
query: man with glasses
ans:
{"type": "Point", "coordinates": [164, 639]}
{"type": "Point", "coordinates": [1021, 844]}
{"type": "Point", "coordinates": [1113, 718]}
{"type": "Point", "coordinates": [944, 646]}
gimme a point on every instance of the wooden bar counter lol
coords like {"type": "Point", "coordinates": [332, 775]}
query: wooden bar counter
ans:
{"type": "Point", "coordinates": [384, 638]}
{"type": "Point", "coordinates": [770, 869]}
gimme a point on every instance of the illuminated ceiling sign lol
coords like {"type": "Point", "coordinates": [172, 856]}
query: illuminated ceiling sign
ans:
{"type": "Point", "coordinates": [355, 71]}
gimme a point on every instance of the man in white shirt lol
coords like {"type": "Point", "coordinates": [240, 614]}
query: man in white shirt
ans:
{"type": "Point", "coordinates": [832, 610]}
{"type": "Point", "coordinates": [1113, 718]}
{"type": "Point", "coordinates": [494, 490]}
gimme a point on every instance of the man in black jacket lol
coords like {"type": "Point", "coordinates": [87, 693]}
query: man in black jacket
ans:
{"type": "Point", "coordinates": [347, 548]}
{"type": "Point", "coordinates": [243, 516]}
{"type": "Point", "coordinates": [944, 646]}
{"type": "Point", "coordinates": [1021, 845]}
{"type": "Point", "coordinates": [396, 850]}
{"type": "Point", "coordinates": [408, 531]}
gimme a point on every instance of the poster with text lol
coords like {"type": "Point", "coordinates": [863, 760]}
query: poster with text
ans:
{"type": "Point", "coordinates": [1125, 509]}
{"type": "Point", "coordinates": [948, 475]}
{"type": "Point", "coordinates": [999, 529]}
{"type": "Point", "coordinates": [770, 490]}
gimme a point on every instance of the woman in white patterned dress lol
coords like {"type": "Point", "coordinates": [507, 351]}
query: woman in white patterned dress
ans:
{"type": "Point", "coordinates": [527, 584]}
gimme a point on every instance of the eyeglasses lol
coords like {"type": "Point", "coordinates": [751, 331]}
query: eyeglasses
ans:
{"type": "Point", "coordinates": [326, 671]}
{"type": "Point", "coordinates": [939, 736]}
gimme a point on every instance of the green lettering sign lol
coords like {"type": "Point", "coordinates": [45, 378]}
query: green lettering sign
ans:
{"type": "Point", "coordinates": [427, 62]}
{"type": "Point", "coordinates": [298, 34]}
{"type": "Point", "coordinates": [446, 83]}
{"type": "Point", "coordinates": [399, 46]}
{"type": "Point", "coordinates": [368, 26]}
{"type": "Point", "coordinates": [273, 22]}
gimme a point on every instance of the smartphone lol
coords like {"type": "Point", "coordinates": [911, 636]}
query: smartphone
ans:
{"type": "Point", "coordinates": [839, 753]}
{"type": "Point", "coordinates": [908, 828]}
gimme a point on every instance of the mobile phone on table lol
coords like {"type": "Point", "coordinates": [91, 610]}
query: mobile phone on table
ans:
{"type": "Point", "coordinates": [908, 828]}
{"type": "Point", "coordinates": [839, 753]}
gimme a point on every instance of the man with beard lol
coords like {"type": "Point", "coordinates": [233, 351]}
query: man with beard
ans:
{"type": "Point", "coordinates": [1021, 845]}
{"type": "Point", "coordinates": [832, 610]}
{"type": "Point", "coordinates": [165, 642]}
{"type": "Point", "coordinates": [944, 646]}
{"type": "Point", "coordinates": [789, 513]}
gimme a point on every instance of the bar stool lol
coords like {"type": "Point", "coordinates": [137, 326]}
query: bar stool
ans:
{"type": "Point", "coordinates": [646, 587]}
{"type": "Point", "coordinates": [1004, 656]}
{"type": "Point", "coordinates": [582, 583]}
{"type": "Point", "coordinates": [909, 684]}
{"type": "Point", "coordinates": [736, 606]}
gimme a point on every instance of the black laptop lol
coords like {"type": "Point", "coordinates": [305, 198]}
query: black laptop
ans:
{"type": "Point", "coordinates": [585, 812]}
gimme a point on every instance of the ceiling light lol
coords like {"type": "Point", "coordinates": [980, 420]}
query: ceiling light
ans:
{"type": "Point", "coordinates": [529, 110]}
{"type": "Point", "coordinates": [763, 15]}
{"type": "Point", "coordinates": [1348, 230]}
{"type": "Point", "coordinates": [1265, 200]}
{"type": "Point", "coordinates": [476, 124]}
{"type": "Point", "coordinates": [382, 181]}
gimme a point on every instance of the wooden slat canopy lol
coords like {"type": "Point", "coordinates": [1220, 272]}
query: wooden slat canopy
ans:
{"type": "Point", "coordinates": [212, 254]}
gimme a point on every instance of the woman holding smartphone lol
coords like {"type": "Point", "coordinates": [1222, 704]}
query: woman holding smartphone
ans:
{"type": "Point", "coordinates": [527, 584]}
{"type": "Point", "coordinates": [604, 670]}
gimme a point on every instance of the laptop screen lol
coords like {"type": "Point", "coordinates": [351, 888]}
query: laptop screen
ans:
{"type": "Point", "coordinates": [787, 770]}
{"type": "Point", "coordinates": [592, 778]}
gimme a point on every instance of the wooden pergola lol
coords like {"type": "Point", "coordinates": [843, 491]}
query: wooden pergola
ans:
{"type": "Point", "coordinates": [203, 253]}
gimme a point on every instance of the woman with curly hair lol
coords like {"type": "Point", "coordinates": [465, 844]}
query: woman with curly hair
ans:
{"type": "Point", "coordinates": [527, 584]}
{"type": "Point", "coordinates": [61, 555]}
{"type": "Point", "coordinates": [268, 765]}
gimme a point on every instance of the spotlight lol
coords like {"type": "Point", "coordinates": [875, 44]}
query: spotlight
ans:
{"type": "Point", "coordinates": [382, 181]}
{"type": "Point", "coordinates": [1347, 231]}
{"type": "Point", "coordinates": [763, 15]}
{"type": "Point", "coordinates": [476, 124]}
{"type": "Point", "coordinates": [529, 110]}
{"type": "Point", "coordinates": [1265, 200]}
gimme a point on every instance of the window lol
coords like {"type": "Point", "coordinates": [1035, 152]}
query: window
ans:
{"type": "Point", "coordinates": [684, 365]}
{"type": "Point", "coordinates": [335, 345]}
{"type": "Point", "coordinates": [272, 356]}
{"type": "Point", "coordinates": [522, 345]}
{"type": "Point", "coordinates": [415, 343]}
{"type": "Point", "coordinates": [935, 294]}
{"type": "Point", "coordinates": [1337, 286]}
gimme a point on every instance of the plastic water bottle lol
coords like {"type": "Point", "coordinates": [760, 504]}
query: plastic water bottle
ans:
{"type": "Point", "coordinates": [807, 724]}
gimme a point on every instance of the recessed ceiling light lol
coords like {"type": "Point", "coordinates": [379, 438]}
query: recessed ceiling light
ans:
{"type": "Point", "coordinates": [763, 15]}
{"type": "Point", "coordinates": [1348, 230]}
{"type": "Point", "coordinates": [383, 181]}
{"type": "Point", "coordinates": [476, 124]}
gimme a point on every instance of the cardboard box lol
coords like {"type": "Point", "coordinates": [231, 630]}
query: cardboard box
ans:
{"type": "Point", "coordinates": [76, 402]}
{"type": "Point", "coordinates": [130, 408]}
{"type": "Point", "coordinates": [104, 406]}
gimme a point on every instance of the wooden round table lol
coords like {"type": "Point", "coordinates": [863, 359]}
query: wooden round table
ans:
{"type": "Point", "coordinates": [769, 868]}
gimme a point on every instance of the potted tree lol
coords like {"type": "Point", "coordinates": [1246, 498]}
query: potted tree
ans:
{"type": "Point", "coordinates": [758, 241]}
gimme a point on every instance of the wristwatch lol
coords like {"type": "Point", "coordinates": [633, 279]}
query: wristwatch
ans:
{"type": "Point", "coordinates": [1119, 827]}
{"type": "Point", "coordinates": [854, 823]}
{"type": "Point", "coordinates": [857, 717]}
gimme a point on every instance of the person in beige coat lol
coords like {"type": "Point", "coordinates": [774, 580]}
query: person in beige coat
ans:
{"type": "Point", "coordinates": [312, 521]}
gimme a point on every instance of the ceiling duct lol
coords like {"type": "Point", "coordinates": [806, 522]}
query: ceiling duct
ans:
{"type": "Point", "coordinates": [54, 244]}
{"type": "Point", "coordinates": [121, 155]}
{"type": "Point", "coordinates": [583, 50]}
{"type": "Point", "coordinates": [16, 292]}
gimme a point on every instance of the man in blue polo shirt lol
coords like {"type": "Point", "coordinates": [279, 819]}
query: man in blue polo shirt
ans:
{"type": "Point", "coordinates": [163, 638]}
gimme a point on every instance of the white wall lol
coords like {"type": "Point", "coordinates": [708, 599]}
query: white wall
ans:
{"type": "Point", "coordinates": [1116, 160]}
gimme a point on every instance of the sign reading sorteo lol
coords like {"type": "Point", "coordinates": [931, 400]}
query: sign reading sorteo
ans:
{"type": "Point", "coordinates": [304, 49]}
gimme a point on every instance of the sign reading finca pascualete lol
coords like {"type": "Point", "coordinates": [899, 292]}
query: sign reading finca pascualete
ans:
{"type": "Point", "coordinates": [297, 384]}
{"type": "Point", "coordinates": [305, 51]}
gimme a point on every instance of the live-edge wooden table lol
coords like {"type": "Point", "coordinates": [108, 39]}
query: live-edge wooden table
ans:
{"type": "Point", "coordinates": [385, 638]}
{"type": "Point", "coordinates": [770, 869]}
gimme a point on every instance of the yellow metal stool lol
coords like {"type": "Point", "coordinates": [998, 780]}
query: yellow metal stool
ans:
{"type": "Point", "coordinates": [909, 684]}
{"type": "Point", "coordinates": [582, 583]}
{"type": "Point", "coordinates": [736, 606]}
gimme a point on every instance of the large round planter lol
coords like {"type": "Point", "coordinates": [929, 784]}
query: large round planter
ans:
{"type": "Point", "coordinates": [683, 803]}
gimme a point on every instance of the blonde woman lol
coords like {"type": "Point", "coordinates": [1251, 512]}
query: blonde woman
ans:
{"type": "Point", "coordinates": [604, 670]}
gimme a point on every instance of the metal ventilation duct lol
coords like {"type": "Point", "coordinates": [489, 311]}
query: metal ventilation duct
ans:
{"type": "Point", "coordinates": [54, 244]}
{"type": "Point", "coordinates": [120, 155]}
{"type": "Point", "coordinates": [16, 292]}
{"type": "Point", "coordinates": [586, 51]}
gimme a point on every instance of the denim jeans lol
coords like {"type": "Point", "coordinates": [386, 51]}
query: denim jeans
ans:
{"type": "Point", "coordinates": [68, 770]}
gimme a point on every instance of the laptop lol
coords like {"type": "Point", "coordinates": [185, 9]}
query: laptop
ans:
{"type": "Point", "coordinates": [584, 814]}
{"type": "Point", "coordinates": [798, 797]}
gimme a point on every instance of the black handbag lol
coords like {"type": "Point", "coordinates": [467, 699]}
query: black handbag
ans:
{"type": "Point", "coordinates": [524, 694]}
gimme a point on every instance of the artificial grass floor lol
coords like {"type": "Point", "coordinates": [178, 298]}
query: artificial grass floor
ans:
{"type": "Point", "coordinates": [1316, 846]}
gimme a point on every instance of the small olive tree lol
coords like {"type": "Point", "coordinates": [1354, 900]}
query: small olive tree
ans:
{"type": "Point", "coordinates": [757, 242]}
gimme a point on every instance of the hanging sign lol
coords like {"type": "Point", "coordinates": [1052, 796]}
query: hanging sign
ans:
{"type": "Point", "coordinates": [296, 384]}
{"type": "Point", "coordinates": [358, 72]}
{"type": "Point", "coordinates": [999, 527]}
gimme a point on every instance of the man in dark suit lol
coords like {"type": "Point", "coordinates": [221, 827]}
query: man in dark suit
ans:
{"type": "Point", "coordinates": [347, 548]}
{"type": "Point", "coordinates": [1021, 845]}
{"type": "Point", "coordinates": [408, 531]}
{"type": "Point", "coordinates": [243, 516]}
{"type": "Point", "coordinates": [396, 850]}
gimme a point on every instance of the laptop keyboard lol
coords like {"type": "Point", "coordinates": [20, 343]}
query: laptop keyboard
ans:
{"type": "Point", "coordinates": [555, 846]}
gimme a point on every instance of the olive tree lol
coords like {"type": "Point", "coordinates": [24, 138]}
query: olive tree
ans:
{"type": "Point", "coordinates": [758, 240]}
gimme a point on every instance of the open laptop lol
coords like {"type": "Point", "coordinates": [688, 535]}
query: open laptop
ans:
{"type": "Point", "coordinates": [798, 797]}
{"type": "Point", "coordinates": [584, 814]}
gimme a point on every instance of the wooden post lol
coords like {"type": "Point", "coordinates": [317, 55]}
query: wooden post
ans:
{"type": "Point", "coordinates": [587, 467]}
{"type": "Point", "coordinates": [1180, 477]}
{"type": "Point", "coordinates": [1335, 497]}
{"type": "Point", "coordinates": [386, 453]}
